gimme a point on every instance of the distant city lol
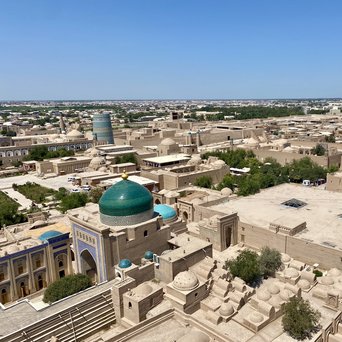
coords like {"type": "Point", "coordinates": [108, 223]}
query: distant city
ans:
{"type": "Point", "coordinates": [201, 220]}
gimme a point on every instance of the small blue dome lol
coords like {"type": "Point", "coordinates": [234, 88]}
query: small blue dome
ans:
{"type": "Point", "coordinates": [148, 255]}
{"type": "Point", "coordinates": [125, 263]}
{"type": "Point", "coordinates": [49, 234]}
{"type": "Point", "coordinates": [165, 211]}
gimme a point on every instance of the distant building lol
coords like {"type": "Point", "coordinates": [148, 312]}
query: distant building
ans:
{"type": "Point", "coordinates": [102, 128]}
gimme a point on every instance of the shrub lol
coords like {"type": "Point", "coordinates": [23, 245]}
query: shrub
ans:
{"type": "Point", "coordinates": [318, 273]}
{"type": "Point", "coordinates": [65, 287]}
{"type": "Point", "coordinates": [300, 320]}
{"type": "Point", "coordinates": [245, 266]}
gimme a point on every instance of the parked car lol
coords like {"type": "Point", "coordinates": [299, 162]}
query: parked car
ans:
{"type": "Point", "coordinates": [86, 187]}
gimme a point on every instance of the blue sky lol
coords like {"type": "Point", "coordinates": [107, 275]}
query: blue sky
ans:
{"type": "Point", "coordinates": [135, 49]}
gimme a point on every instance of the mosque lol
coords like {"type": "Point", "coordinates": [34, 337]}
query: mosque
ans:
{"type": "Point", "coordinates": [123, 231]}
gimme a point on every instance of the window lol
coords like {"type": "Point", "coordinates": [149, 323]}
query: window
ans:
{"type": "Point", "coordinates": [129, 305]}
{"type": "Point", "coordinates": [20, 269]}
{"type": "Point", "coordinates": [38, 263]}
{"type": "Point", "coordinates": [145, 233]}
{"type": "Point", "coordinates": [294, 203]}
{"type": "Point", "coordinates": [60, 264]}
{"type": "Point", "coordinates": [242, 238]}
{"type": "Point", "coordinates": [2, 276]}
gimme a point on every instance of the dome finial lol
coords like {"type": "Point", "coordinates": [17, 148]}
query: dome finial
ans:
{"type": "Point", "coordinates": [124, 176]}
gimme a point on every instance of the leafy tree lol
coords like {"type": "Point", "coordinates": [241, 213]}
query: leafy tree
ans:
{"type": "Point", "coordinates": [249, 185]}
{"type": "Point", "coordinates": [269, 261]}
{"type": "Point", "coordinates": [62, 192]}
{"type": "Point", "coordinates": [245, 266]}
{"type": "Point", "coordinates": [228, 181]}
{"type": "Point", "coordinates": [65, 287]}
{"type": "Point", "coordinates": [251, 112]}
{"type": "Point", "coordinates": [330, 138]}
{"type": "Point", "coordinates": [204, 182]}
{"type": "Point", "coordinates": [300, 320]}
{"type": "Point", "coordinates": [73, 200]}
{"type": "Point", "coordinates": [40, 153]}
{"type": "Point", "coordinates": [126, 158]}
{"type": "Point", "coordinates": [9, 211]}
{"type": "Point", "coordinates": [318, 150]}
{"type": "Point", "coordinates": [305, 168]}
{"type": "Point", "coordinates": [95, 194]}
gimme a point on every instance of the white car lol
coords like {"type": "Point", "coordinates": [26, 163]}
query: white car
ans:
{"type": "Point", "coordinates": [75, 190]}
{"type": "Point", "coordinates": [86, 187]}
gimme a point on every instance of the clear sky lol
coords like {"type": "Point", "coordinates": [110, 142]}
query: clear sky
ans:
{"type": "Point", "coordinates": [157, 49]}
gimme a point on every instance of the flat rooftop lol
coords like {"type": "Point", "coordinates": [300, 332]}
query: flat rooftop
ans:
{"type": "Point", "coordinates": [322, 211]}
{"type": "Point", "coordinates": [168, 159]}
{"type": "Point", "coordinates": [137, 179]}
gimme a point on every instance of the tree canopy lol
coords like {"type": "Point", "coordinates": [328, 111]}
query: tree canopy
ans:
{"type": "Point", "coordinates": [40, 153]}
{"type": "Point", "coordinates": [245, 266]}
{"type": "Point", "coordinates": [251, 112]}
{"type": "Point", "coordinates": [269, 261]}
{"type": "Point", "coordinates": [65, 287]}
{"type": "Point", "coordinates": [204, 182]}
{"type": "Point", "coordinates": [318, 150]}
{"type": "Point", "coordinates": [9, 211]}
{"type": "Point", "coordinates": [126, 158]}
{"type": "Point", "coordinates": [73, 200]}
{"type": "Point", "coordinates": [300, 320]}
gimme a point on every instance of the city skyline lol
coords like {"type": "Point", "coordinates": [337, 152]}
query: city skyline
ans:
{"type": "Point", "coordinates": [169, 50]}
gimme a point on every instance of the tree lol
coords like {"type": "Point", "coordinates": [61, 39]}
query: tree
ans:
{"type": "Point", "coordinates": [318, 150]}
{"type": "Point", "coordinates": [95, 194]}
{"type": "Point", "coordinates": [74, 200]}
{"type": "Point", "coordinates": [204, 182]}
{"type": "Point", "coordinates": [126, 158]}
{"type": "Point", "coordinates": [245, 266]}
{"type": "Point", "coordinates": [65, 287]}
{"type": "Point", "coordinates": [300, 320]}
{"type": "Point", "coordinates": [249, 185]}
{"type": "Point", "coordinates": [269, 261]}
{"type": "Point", "coordinates": [305, 168]}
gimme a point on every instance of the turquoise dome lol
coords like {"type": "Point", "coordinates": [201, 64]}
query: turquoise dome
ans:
{"type": "Point", "coordinates": [148, 255]}
{"type": "Point", "coordinates": [49, 234]}
{"type": "Point", "coordinates": [125, 263]}
{"type": "Point", "coordinates": [126, 202]}
{"type": "Point", "coordinates": [165, 211]}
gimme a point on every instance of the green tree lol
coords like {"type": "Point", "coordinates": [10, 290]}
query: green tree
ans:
{"type": "Point", "coordinates": [73, 200]}
{"type": "Point", "coordinates": [305, 168]}
{"type": "Point", "coordinates": [269, 261]}
{"type": "Point", "coordinates": [65, 287]}
{"type": "Point", "coordinates": [300, 320]}
{"type": "Point", "coordinates": [249, 185]}
{"type": "Point", "coordinates": [318, 150]}
{"type": "Point", "coordinates": [126, 158]}
{"type": "Point", "coordinates": [245, 266]}
{"type": "Point", "coordinates": [95, 194]}
{"type": "Point", "coordinates": [330, 138]}
{"type": "Point", "coordinates": [228, 181]}
{"type": "Point", "coordinates": [9, 211]}
{"type": "Point", "coordinates": [204, 182]}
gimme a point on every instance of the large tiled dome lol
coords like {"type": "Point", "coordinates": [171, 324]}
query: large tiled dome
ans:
{"type": "Point", "coordinates": [126, 203]}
